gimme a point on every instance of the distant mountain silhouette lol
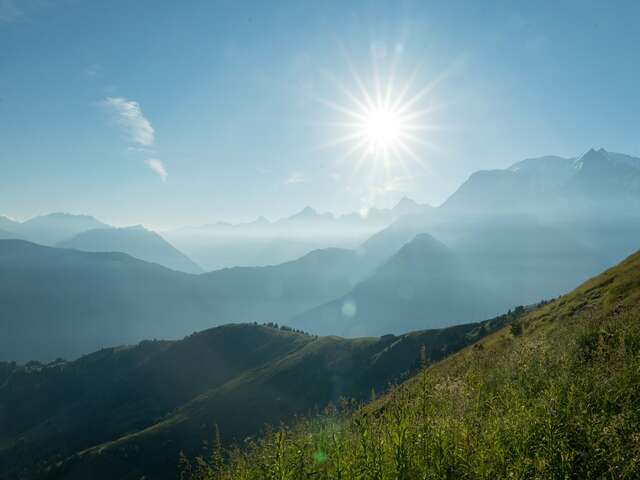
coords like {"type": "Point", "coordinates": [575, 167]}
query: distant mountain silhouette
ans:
{"type": "Point", "coordinates": [388, 241]}
{"type": "Point", "coordinates": [553, 185]}
{"type": "Point", "coordinates": [308, 214]}
{"type": "Point", "coordinates": [8, 225]}
{"type": "Point", "coordinates": [4, 235]}
{"type": "Point", "coordinates": [54, 227]}
{"type": "Point", "coordinates": [517, 236]}
{"type": "Point", "coordinates": [423, 284]}
{"type": "Point", "coordinates": [135, 241]}
{"type": "Point", "coordinates": [262, 242]}
{"type": "Point", "coordinates": [61, 302]}
{"type": "Point", "coordinates": [506, 237]}
{"type": "Point", "coordinates": [407, 206]}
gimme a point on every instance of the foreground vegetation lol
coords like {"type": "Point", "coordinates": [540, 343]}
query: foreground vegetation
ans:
{"type": "Point", "coordinates": [159, 397]}
{"type": "Point", "coordinates": [554, 395]}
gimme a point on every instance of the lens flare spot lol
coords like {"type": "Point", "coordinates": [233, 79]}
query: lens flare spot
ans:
{"type": "Point", "coordinates": [349, 309]}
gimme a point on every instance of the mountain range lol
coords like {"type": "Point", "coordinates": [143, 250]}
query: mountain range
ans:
{"type": "Point", "coordinates": [215, 246]}
{"type": "Point", "coordinates": [135, 241]}
{"type": "Point", "coordinates": [554, 394]}
{"type": "Point", "coordinates": [55, 227]}
{"type": "Point", "coordinates": [128, 412]}
{"type": "Point", "coordinates": [553, 186]}
{"type": "Point", "coordinates": [263, 242]}
{"type": "Point", "coordinates": [505, 237]}
{"type": "Point", "coordinates": [62, 302]}
{"type": "Point", "coordinates": [86, 233]}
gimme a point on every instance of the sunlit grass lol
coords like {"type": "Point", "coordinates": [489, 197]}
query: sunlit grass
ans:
{"type": "Point", "coordinates": [556, 397]}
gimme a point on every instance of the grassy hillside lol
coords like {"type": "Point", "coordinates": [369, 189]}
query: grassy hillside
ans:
{"type": "Point", "coordinates": [127, 412]}
{"type": "Point", "coordinates": [554, 395]}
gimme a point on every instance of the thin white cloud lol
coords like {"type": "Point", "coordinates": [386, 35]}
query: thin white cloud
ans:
{"type": "Point", "coordinates": [129, 116]}
{"type": "Point", "coordinates": [158, 167]}
{"type": "Point", "coordinates": [296, 177]}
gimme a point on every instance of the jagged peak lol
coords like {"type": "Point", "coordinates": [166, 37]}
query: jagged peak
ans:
{"type": "Point", "coordinates": [589, 157]}
{"type": "Point", "coordinates": [309, 213]}
{"type": "Point", "coordinates": [405, 202]}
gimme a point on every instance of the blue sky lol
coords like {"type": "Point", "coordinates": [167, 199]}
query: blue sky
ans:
{"type": "Point", "coordinates": [173, 113]}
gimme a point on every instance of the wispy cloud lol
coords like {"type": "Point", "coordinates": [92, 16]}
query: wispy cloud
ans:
{"type": "Point", "coordinates": [296, 177]}
{"type": "Point", "coordinates": [129, 116]}
{"type": "Point", "coordinates": [158, 167]}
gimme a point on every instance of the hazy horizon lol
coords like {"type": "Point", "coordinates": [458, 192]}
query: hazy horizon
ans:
{"type": "Point", "coordinates": [227, 115]}
{"type": "Point", "coordinates": [258, 215]}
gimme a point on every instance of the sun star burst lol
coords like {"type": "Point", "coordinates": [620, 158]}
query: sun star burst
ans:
{"type": "Point", "coordinates": [383, 125]}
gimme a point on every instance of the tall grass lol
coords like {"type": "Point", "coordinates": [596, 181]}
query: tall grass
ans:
{"type": "Point", "coordinates": [559, 399]}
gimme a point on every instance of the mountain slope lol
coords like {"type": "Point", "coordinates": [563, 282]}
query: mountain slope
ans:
{"type": "Point", "coordinates": [518, 235]}
{"type": "Point", "coordinates": [7, 235]}
{"type": "Point", "coordinates": [424, 285]}
{"type": "Point", "coordinates": [55, 227]}
{"type": "Point", "coordinates": [135, 241]}
{"type": "Point", "coordinates": [64, 303]}
{"type": "Point", "coordinates": [8, 225]}
{"type": "Point", "coordinates": [157, 395]}
{"type": "Point", "coordinates": [596, 181]}
{"type": "Point", "coordinates": [554, 395]}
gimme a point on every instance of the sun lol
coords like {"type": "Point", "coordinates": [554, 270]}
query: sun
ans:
{"type": "Point", "coordinates": [382, 129]}
{"type": "Point", "coordinates": [383, 126]}
{"type": "Point", "coordinates": [383, 123]}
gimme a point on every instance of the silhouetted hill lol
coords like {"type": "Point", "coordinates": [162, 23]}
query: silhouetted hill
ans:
{"type": "Point", "coordinates": [122, 412]}
{"type": "Point", "coordinates": [423, 285]}
{"type": "Point", "coordinates": [55, 227]}
{"type": "Point", "coordinates": [7, 224]}
{"type": "Point", "coordinates": [383, 244]}
{"type": "Point", "coordinates": [135, 241]}
{"type": "Point", "coordinates": [6, 235]}
{"type": "Point", "coordinates": [60, 302]}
